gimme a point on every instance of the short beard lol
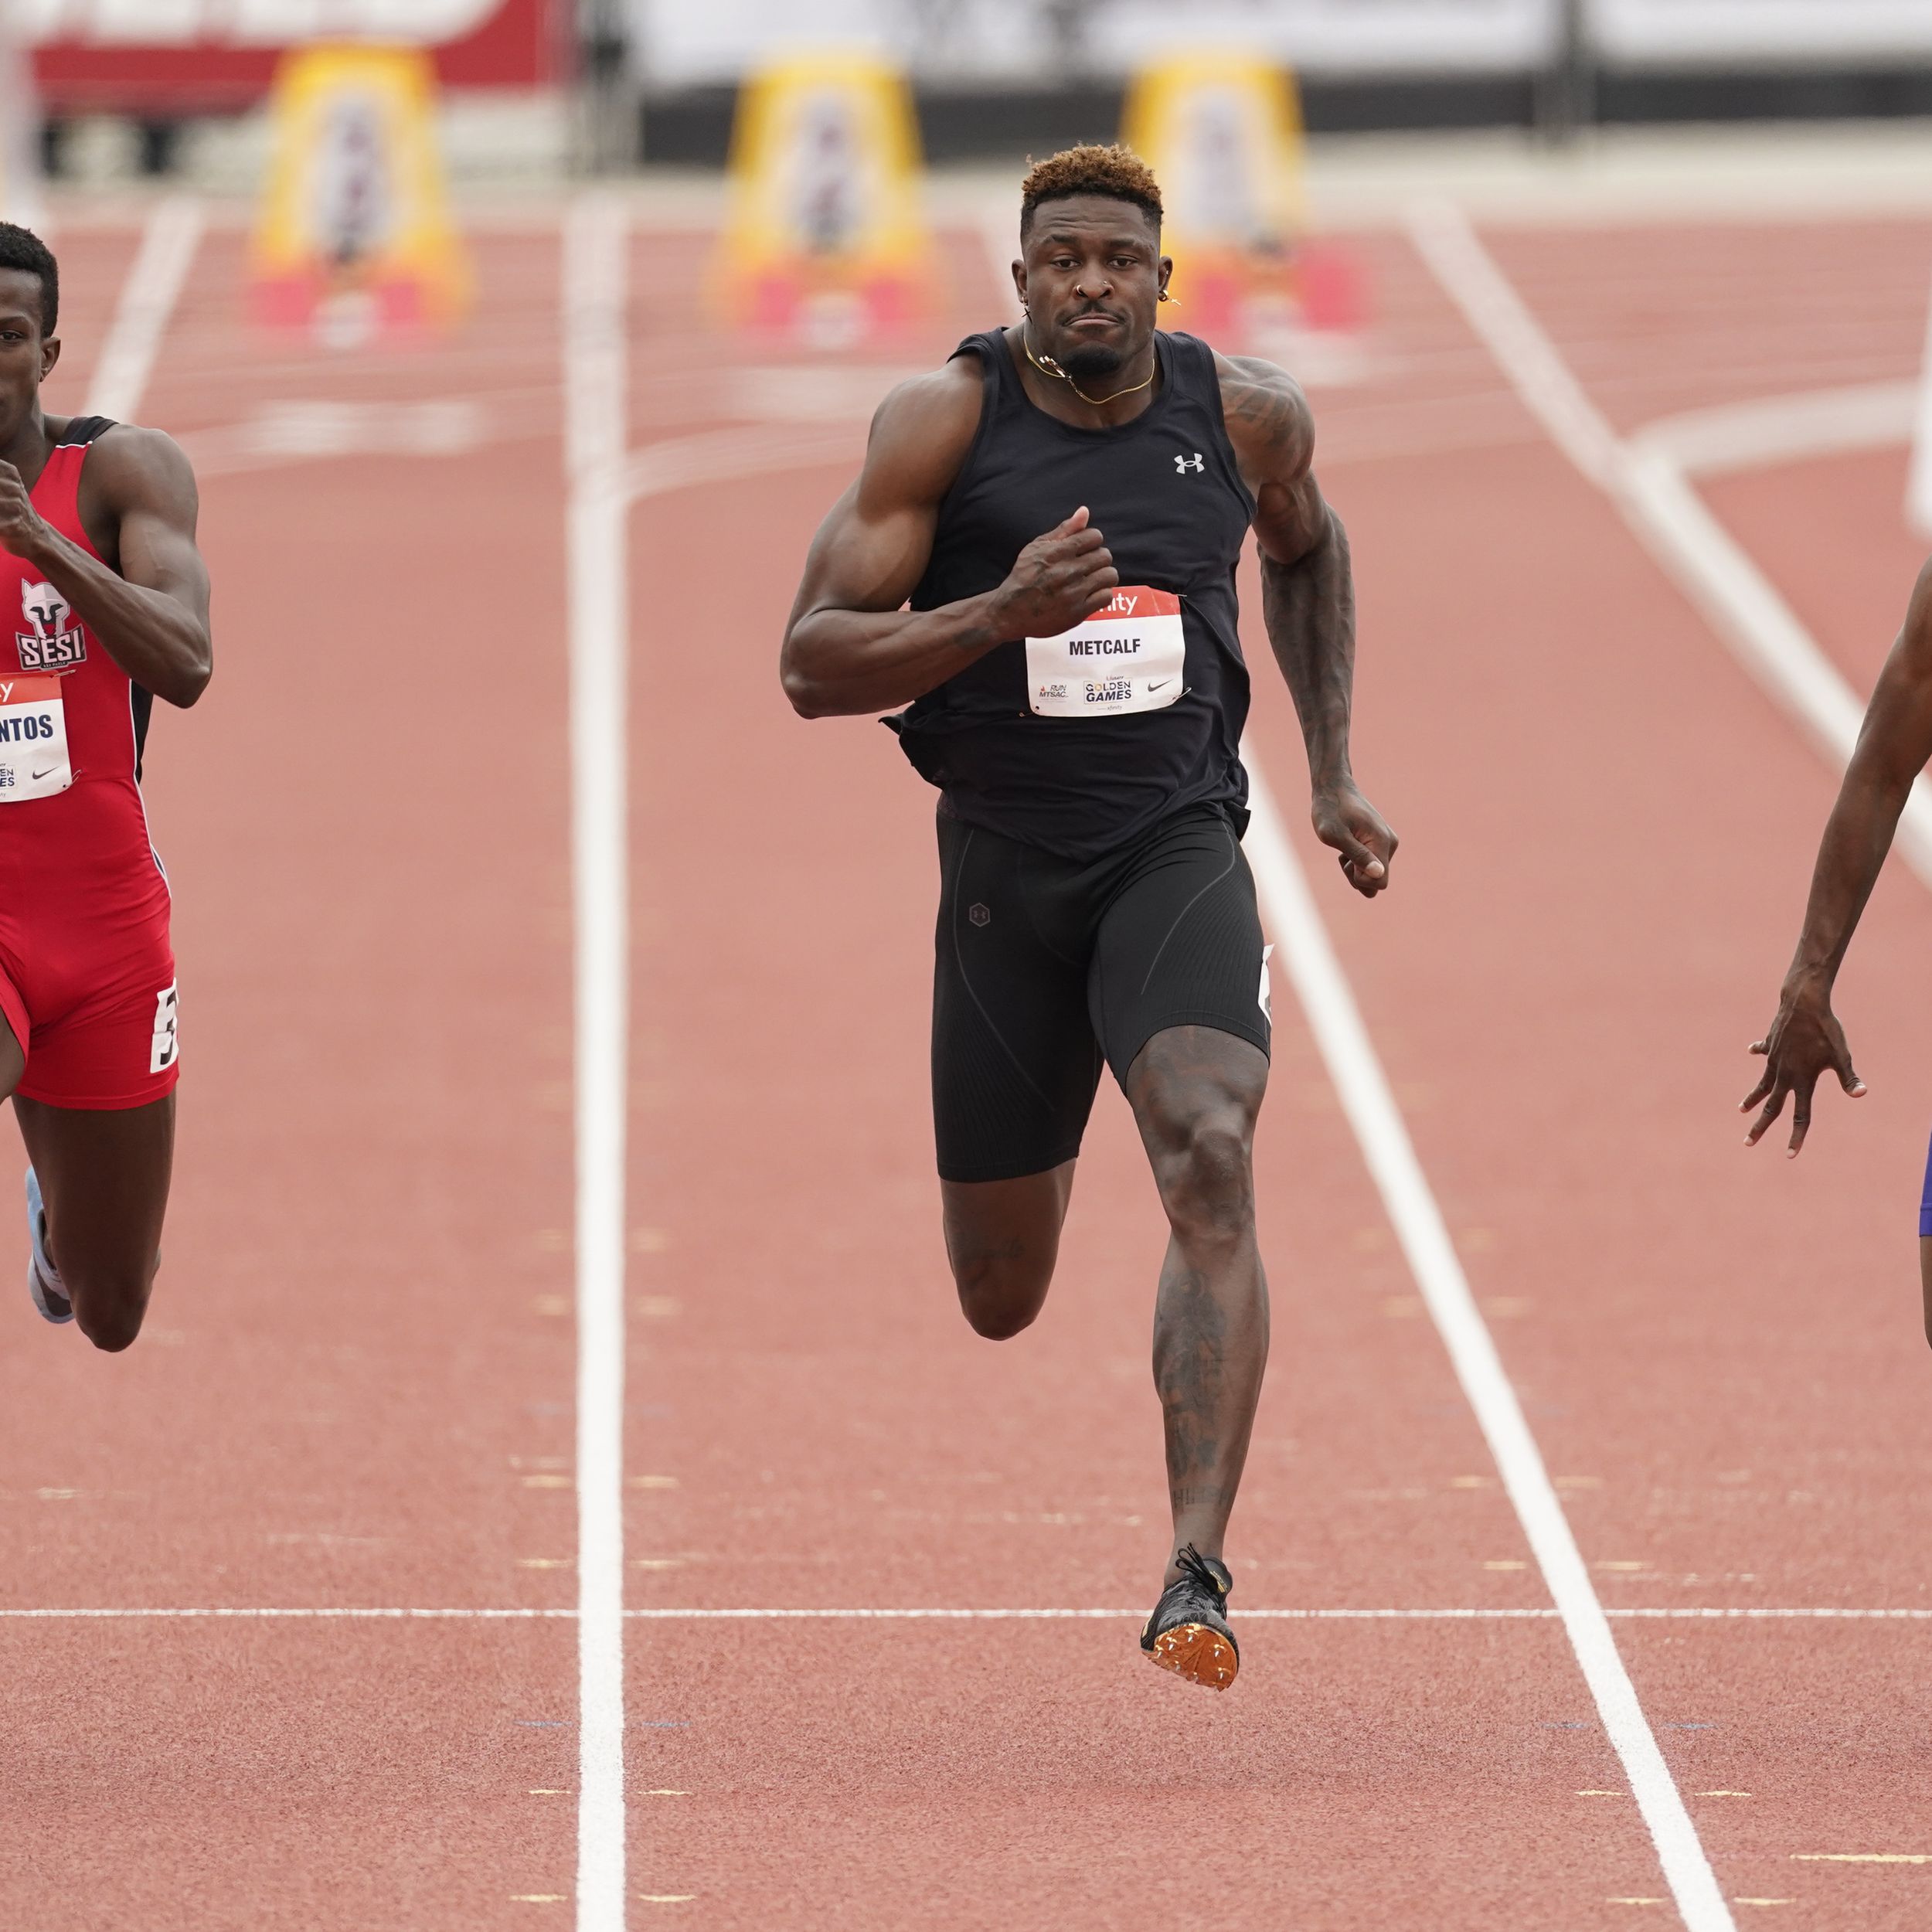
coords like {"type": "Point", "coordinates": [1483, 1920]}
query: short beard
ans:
{"type": "Point", "coordinates": [1092, 360]}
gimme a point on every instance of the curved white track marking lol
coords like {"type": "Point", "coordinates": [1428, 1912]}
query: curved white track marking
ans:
{"type": "Point", "coordinates": [147, 305]}
{"type": "Point", "coordinates": [596, 265]}
{"type": "Point", "coordinates": [1303, 948]}
{"type": "Point", "coordinates": [722, 456]}
{"type": "Point", "coordinates": [1784, 429]}
{"type": "Point", "coordinates": [1647, 482]}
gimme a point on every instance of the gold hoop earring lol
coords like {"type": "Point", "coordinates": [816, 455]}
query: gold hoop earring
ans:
{"type": "Point", "coordinates": [1165, 296]}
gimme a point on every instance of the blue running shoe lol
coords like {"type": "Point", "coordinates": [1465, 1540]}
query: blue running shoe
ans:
{"type": "Point", "coordinates": [43, 1279]}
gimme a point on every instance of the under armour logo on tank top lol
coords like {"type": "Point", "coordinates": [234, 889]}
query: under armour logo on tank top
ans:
{"type": "Point", "coordinates": [1080, 742]}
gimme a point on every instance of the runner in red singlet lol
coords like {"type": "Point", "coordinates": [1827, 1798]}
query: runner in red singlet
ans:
{"type": "Point", "coordinates": [104, 608]}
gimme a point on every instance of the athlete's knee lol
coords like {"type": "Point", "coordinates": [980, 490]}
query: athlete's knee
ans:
{"type": "Point", "coordinates": [1000, 1320]}
{"type": "Point", "coordinates": [1002, 1239]}
{"type": "Point", "coordinates": [110, 1304]}
{"type": "Point", "coordinates": [112, 1329]}
{"type": "Point", "coordinates": [1001, 1288]}
{"type": "Point", "coordinates": [1204, 1165]}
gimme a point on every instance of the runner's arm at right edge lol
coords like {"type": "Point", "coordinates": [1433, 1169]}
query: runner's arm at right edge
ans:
{"type": "Point", "coordinates": [1895, 742]}
{"type": "Point", "coordinates": [850, 647]}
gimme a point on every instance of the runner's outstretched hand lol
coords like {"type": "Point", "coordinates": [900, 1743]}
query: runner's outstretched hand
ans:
{"type": "Point", "coordinates": [1059, 580]}
{"type": "Point", "coordinates": [1360, 834]}
{"type": "Point", "coordinates": [1805, 1043]}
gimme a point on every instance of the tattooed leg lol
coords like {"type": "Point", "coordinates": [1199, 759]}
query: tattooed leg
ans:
{"type": "Point", "coordinates": [1195, 1093]}
{"type": "Point", "coordinates": [1002, 1238]}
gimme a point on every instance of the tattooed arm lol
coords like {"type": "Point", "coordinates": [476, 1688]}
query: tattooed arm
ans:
{"type": "Point", "coordinates": [1307, 601]}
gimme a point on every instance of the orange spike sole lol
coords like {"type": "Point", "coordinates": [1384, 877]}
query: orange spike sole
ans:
{"type": "Point", "coordinates": [1200, 1655]}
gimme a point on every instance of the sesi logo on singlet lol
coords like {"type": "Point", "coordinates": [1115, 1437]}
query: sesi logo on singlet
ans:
{"type": "Point", "coordinates": [1130, 655]}
{"type": "Point", "coordinates": [33, 739]}
{"type": "Point", "coordinates": [52, 641]}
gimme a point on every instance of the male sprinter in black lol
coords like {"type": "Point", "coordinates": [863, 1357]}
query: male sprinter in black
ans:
{"type": "Point", "coordinates": [1063, 505]}
{"type": "Point", "coordinates": [1805, 1041]}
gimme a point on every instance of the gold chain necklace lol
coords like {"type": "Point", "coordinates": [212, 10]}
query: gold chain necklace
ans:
{"type": "Point", "coordinates": [1049, 367]}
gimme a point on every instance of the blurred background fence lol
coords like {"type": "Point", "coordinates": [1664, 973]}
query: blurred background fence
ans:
{"type": "Point", "coordinates": [176, 86]}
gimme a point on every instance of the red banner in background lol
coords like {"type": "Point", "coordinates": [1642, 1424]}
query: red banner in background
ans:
{"type": "Point", "coordinates": [89, 55]}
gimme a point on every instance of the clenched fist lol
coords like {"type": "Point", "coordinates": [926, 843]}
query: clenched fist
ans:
{"type": "Point", "coordinates": [1059, 580]}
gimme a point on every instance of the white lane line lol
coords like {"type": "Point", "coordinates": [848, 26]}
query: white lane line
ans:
{"type": "Point", "coordinates": [1918, 481]}
{"type": "Point", "coordinates": [1303, 949]}
{"type": "Point", "coordinates": [1648, 485]}
{"type": "Point", "coordinates": [1535, 1614]}
{"type": "Point", "coordinates": [322, 1614]}
{"type": "Point", "coordinates": [1540, 1613]}
{"type": "Point", "coordinates": [596, 261]}
{"type": "Point", "coordinates": [1107, 1616]}
{"type": "Point", "coordinates": [147, 305]}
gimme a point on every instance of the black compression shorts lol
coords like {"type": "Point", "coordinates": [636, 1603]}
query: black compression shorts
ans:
{"type": "Point", "coordinates": [1046, 966]}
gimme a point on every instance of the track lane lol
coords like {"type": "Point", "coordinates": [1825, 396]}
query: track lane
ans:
{"type": "Point", "coordinates": [357, 1388]}
{"type": "Point", "coordinates": [1616, 828]}
{"type": "Point", "coordinates": [1414, 1764]}
{"type": "Point", "coordinates": [834, 1435]}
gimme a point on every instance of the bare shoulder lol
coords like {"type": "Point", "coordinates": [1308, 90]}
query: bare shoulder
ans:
{"type": "Point", "coordinates": [922, 431]}
{"type": "Point", "coordinates": [1268, 415]}
{"type": "Point", "coordinates": [136, 468]}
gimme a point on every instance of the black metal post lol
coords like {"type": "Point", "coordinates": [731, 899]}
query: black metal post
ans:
{"type": "Point", "coordinates": [1566, 89]}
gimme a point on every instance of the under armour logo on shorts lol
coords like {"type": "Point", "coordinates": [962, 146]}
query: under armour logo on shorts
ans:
{"type": "Point", "coordinates": [1183, 463]}
{"type": "Point", "coordinates": [979, 915]}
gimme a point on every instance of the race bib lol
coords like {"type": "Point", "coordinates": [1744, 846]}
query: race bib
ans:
{"type": "Point", "coordinates": [1130, 656]}
{"type": "Point", "coordinates": [33, 739]}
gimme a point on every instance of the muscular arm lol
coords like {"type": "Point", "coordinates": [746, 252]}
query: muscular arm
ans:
{"type": "Point", "coordinates": [849, 648]}
{"type": "Point", "coordinates": [1307, 601]}
{"type": "Point", "coordinates": [1894, 745]}
{"type": "Point", "coordinates": [149, 603]}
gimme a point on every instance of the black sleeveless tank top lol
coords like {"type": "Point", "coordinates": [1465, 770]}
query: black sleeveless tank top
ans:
{"type": "Point", "coordinates": [1164, 492]}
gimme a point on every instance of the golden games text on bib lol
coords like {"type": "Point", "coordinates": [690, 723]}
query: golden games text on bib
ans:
{"type": "Point", "coordinates": [1129, 655]}
{"type": "Point", "coordinates": [33, 739]}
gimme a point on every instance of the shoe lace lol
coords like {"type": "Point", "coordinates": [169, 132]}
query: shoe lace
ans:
{"type": "Point", "coordinates": [1194, 1566]}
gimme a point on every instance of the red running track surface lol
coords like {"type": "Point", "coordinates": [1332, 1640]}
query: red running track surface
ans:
{"type": "Point", "coordinates": [358, 1390]}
